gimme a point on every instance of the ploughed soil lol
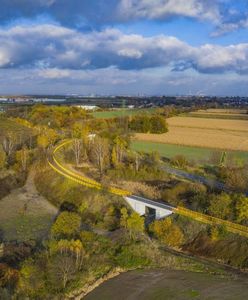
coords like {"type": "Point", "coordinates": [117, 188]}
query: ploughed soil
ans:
{"type": "Point", "coordinates": [164, 284]}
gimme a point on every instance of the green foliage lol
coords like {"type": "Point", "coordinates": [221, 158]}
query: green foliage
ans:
{"type": "Point", "coordinates": [132, 256]}
{"type": "Point", "coordinates": [124, 217]}
{"type": "Point", "coordinates": [135, 225]}
{"type": "Point", "coordinates": [31, 281]}
{"type": "Point", "coordinates": [66, 225]}
{"type": "Point", "coordinates": [220, 206]}
{"type": "Point", "coordinates": [241, 208]}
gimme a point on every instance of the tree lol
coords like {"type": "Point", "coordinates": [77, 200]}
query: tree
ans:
{"type": "Point", "coordinates": [110, 219]}
{"type": "Point", "coordinates": [31, 282]}
{"type": "Point", "coordinates": [220, 206]}
{"type": "Point", "coordinates": [100, 151]}
{"type": "Point", "coordinates": [9, 142]}
{"type": "Point", "coordinates": [77, 148]}
{"type": "Point", "coordinates": [167, 232]}
{"type": "Point", "coordinates": [67, 225]}
{"type": "Point", "coordinates": [158, 124]}
{"type": "Point", "coordinates": [46, 137]}
{"type": "Point", "coordinates": [2, 158]}
{"type": "Point", "coordinates": [124, 217]}
{"type": "Point", "coordinates": [241, 208]}
{"type": "Point", "coordinates": [135, 225]}
{"type": "Point", "coordinates": [61, 270]}
{"type": "Point", "coordinates": [118, 150]}
{"type": "Point", "coordinates": [22, 157]}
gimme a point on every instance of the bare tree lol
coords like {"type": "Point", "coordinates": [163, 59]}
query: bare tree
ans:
{"type": "Point", "coordinates": [9, 143]}
{"type": "Point", "coordinates": [22, 157]}
{"type": "Point", "coordinates": [77, 149]}
{"type": "Point", "coordinates": [100, 151]}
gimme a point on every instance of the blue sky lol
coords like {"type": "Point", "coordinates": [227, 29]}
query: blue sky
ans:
{"type": "Point", "coordinates": [129, 47]}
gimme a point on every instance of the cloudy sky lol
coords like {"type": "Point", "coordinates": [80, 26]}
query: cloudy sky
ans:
{"type": "Point", "coordinates": [124, 47]}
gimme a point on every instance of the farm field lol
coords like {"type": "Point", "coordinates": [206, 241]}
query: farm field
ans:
{"type": "Point", "coordinates": [191, 153]}
{"type": "Point", "coordinates": [204, 133]}
{"type": "Point", "coordinates": [230, 114]}
{"type": "Point", "coordinates": [120, 113]}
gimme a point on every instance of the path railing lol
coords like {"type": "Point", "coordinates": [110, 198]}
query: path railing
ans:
{"type": "Point", "coordinates": [85, 181]}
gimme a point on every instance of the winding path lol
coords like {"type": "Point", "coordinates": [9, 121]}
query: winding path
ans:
{"type": "Point", "coordinates": [82, 180]}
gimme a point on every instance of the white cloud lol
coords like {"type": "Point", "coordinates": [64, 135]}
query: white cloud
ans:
{"type": "Point", "coordinates": [56, 47]}
{"type": "Point", "coordinates": [160, 9]}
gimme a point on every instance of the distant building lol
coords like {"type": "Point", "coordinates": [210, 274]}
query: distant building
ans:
{"type": "Point", "coordinates": [88, 107]}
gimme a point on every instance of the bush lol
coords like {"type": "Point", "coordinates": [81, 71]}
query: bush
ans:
{"type": "Point", "coordinates": [179, 161]}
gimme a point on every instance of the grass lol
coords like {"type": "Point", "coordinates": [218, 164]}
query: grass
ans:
{"type": "Point", "coordinates": [191, 153]}
{"type": "Point", "coordinates": [121, 113]}
{"type": "Point", "coordinates": [7, 125]}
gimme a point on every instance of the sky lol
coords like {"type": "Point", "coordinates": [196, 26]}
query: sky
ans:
{"type": "Point", "coordinates": [124, 47]}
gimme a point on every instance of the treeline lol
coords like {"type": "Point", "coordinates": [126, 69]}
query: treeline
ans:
{"type": "Point", "coordinates": [148, 124]}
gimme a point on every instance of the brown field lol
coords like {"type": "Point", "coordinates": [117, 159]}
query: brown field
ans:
{"type": "Point", "coordinates": [224, 111]}
{"type": "Point", "coordinates": [200, 132]}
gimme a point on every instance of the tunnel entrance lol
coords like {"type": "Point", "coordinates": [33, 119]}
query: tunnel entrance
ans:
{"type": "Point", "coordinates": [150, 215]}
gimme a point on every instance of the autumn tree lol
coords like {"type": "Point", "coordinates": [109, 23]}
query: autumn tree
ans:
{"type": "Point", "coordinates": [124, 217]}
{"type": "Point", "coordinates": [22, 158]}
{"type": "Point", "coordinates": [66, 225]}
{"type": "Point", "coordinates": [118, 150]}
{"type": "Point", "coordinates": [167, 232]}
{"type": "Point", "coordinates": [31, 282]}
{"type": "Point", "coordinates": [220, 206]}
{"type": "Point", "coordinates": [241, 208]}
{"type": "Point", "coordinates": [2, 158]}
{"type": "Point", "coordinates": [47, 137]}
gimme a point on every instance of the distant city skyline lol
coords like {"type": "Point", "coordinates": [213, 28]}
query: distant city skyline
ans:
{"type": "Point", "coordinates": [129, 47]}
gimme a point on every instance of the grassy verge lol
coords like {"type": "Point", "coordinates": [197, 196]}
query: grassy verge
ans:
{"type": "Point", "coordinates": [121, 113]}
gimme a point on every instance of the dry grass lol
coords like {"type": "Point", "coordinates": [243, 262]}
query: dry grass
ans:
{"type": "Point", "coordinates": [200, 132]}
{"type": "Point", "coordinates": [224, 111]}
{"type": "Point", "coordinates": [142, 189]}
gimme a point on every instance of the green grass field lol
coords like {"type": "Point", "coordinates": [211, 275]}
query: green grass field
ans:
{"type": "Point", "coordinates": [121, 113]}
{"type": "Point", "coordinates": [191, 153]}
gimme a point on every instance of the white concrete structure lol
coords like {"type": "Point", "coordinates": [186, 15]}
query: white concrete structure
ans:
{"type": "Point", "coordinates": [140, 205]}
{"type": "Point", "coordinates": [88, 107]}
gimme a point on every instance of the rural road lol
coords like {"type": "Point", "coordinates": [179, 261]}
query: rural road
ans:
{"type": "Point", "coordinates": [197, 178]}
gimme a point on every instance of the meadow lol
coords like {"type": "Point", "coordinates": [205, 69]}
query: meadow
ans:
{"type": "Point", "coordinates": [215, 134]}
{"type": "Point", "coordinates": [191, 153]}
{"type": "Point", "coordinates": [121, 113]}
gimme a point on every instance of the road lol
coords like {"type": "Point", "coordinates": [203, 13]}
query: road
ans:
{"type": "Point", "coordinates": [197, 178]}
